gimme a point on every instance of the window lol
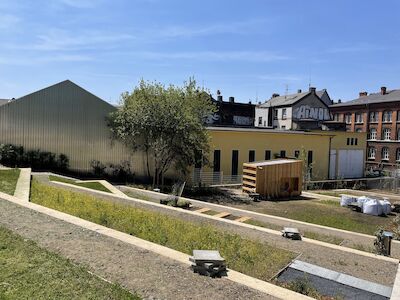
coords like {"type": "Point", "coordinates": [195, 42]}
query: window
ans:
{"type": "Point", "coordinates": [371, 153]}
{"type": "Point", "coordinates": [267, 154]}
{"type": "Point", "coordinates": [309, 162]}
{"type": "Point", "coordinates": [355, 141]}
{"type": "Point", "coordinates": [385, 153]}
{"type": "Point", "coordinates": [358, 130]}
{"type": "Point", "coordinates": [283, 113]}
{"type": "Point", "coordinates": [398, 115]}
{"type": "Point", "coordinates": [235, 162]}
{"type": "Point", "coordinates": [217, 160]}
{"type": "Point", "coordinates": [283, 127]}
{"type": "Point", "coordinates": [259, 121]}
{"type": "Point", "coordinates": [386, 134]}
{"type": "Point", "coordinates": [398, 134]}
{"type": "Point", "coordinates": [198, 160]}
{"type": "Point", "coordinates": [348, 141]}
{"type": "Point", "coordinates": [398, 154]}
{"type": "Point", "coordinates": [296, 153]}
{"type": "Point", "coordinates": [348, 118]}
{"type": "Point", "coordinates": [336, 117]}
{"type": "Point", "coordinates": [275, 114]}
{"type": "Point", "coordinates": [283, 154]}
{"type": "Point", "coordinates": [372, 134]}
{"type": "Point", "coordinates": [252, 155]}
{"type": "Point", "coordinates": [359, 118]}
{"type": "Point", "coordinates": [387, 116]}
{"type": "Point", "coordinates": [373, 116]}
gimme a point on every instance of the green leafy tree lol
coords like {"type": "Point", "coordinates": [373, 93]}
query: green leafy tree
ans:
{"type": "Point", "coordinates": [166, 123]}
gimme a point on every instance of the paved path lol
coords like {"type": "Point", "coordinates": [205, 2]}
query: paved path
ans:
{"type": "Point", "coordinates": [23, 186]}
{"type": "Point", "coordinates": [137, 269]}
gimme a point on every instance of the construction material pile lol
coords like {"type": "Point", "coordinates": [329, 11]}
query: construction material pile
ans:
{"type": "Point", "coordinates": [367, 205]}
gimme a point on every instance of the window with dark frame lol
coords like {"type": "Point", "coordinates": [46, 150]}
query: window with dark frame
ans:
{"type": "Point", "coordinates": [217, 160]}
{"type": "Point", "coordinates": [267, 154]}
{"type": "Point", "coordinates": [252, 155]}
{"type": "Point", "coordinates": [235, 162]}
{"type": "Point", "coordinates": [282, 154]}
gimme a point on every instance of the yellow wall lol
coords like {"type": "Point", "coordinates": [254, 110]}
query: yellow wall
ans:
{"type": "Point", "coordinates": [228, 139]}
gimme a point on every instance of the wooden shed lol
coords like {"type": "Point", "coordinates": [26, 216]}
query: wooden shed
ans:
{"type": "Point", "coordinates": [278, 178]}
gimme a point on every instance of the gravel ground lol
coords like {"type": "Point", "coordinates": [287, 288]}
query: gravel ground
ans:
{"type": "Point", "coordinates": [151, 275]}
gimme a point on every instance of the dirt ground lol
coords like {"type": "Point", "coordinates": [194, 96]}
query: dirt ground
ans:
{"type": "Point", "coordinates": [151, 275]}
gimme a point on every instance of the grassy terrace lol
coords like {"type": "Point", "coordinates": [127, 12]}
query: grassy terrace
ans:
{"type": "Point", "coordinates": [8, 180]}
{"type": "Point", "coordinates": [90, 185]}
{"type": "Point", "coordinates": [30, 272]}
{"type": "Point", "coordinates": [253, 258]}
{"type": "Point", "coordinates": [324, 212]}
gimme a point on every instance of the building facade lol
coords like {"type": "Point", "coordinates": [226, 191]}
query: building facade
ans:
{"type": "Point", "coordinates": [231, 113]}
{"type": "Point", "coordinates": [329, 155]}
{"type": "Point", "coordinates": [303, 110]}
{"type": "Point", "coordinates": [377, 114]}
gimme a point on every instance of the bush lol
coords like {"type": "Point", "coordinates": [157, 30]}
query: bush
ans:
{"type": "Point", "coordinates": [116, 172]}
{"type": "Point", "coordinates": [16, 156]}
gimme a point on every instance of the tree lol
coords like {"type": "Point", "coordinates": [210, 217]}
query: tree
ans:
{"type": "Point", "coordinates": [166, 123]}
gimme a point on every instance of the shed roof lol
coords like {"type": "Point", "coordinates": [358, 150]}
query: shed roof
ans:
{"type": "Point", "coordinates": [4, 101]}
{"type": "Point", "coordinates": [390, 96]}
{"type": "Point", "coordinates": [272, 162]}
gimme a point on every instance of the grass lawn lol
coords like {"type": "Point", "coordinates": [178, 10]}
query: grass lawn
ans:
{"type": "Point", "coordinates": [8, 180]}
{"type": "Point", "coordinates": [327, 213]}
{"type": "Point", "coordinates": [30, 272]}
{"type": "Point", "coordinates": [251, 257]}
{"type": "Point", "coordinates": [90, 185]}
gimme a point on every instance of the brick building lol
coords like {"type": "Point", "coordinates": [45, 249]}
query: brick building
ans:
{"type": "Point", "coordinates": [378, 114]}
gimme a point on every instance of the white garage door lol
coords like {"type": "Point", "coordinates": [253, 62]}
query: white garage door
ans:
{"type": "Point", "coordinates": [351, 164]}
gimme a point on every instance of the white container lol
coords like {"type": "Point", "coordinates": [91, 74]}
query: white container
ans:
{"type": "Point", "coordinates": [386, 206]}
{"type": "Point", "coordinates": [373, 207]}
{"type": "Point", "coordinates": [345, 200]}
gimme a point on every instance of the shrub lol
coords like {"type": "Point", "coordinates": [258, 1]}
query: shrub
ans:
{"type": "Point", "coordinates": [116, 172]}
{"type": "Point", "coordinates": [17, 156]}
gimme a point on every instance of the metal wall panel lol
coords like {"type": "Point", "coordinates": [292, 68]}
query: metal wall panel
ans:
{"type": "Point", "coordinates": [64, 118]}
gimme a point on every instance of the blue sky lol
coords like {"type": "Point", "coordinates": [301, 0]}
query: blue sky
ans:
{"type": "Point", "coordinates": [247, 49]}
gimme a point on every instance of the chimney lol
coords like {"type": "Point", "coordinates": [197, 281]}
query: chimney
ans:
{"type": "Point", "coordinates": [312, 90]}
{"type": "Point", "coordinates": [231, 99]}
{"type": "Point", "coordinates": [362, 94]}
{"type": "Point", "coordinates": [383, 90]}
{"type": "Point", "coordinates": [219, 98]}
{"type": "Point", "coordinates": [274, 95]}
{"type": "Point", "coordinates": [299, 91]}
{"type": "Point", "coordinates": [340, 101]}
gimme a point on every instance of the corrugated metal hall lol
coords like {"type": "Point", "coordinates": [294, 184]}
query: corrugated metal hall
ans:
{"type": "Point", "coordinates": [63, 118]}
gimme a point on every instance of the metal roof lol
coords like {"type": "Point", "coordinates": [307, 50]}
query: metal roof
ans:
{"type": "Point", "coordinates": [289, 99]}
{"type": "Point", "coordinates": [390, 96]}
{"type": "Point", "coordinates": [4, 101]}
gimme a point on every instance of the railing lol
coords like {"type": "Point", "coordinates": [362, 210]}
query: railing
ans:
{"type": "Point", "coordinates": [203, 178]}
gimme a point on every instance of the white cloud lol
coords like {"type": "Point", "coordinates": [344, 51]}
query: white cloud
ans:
{"type": "Point", "coordinates": [250, 56]}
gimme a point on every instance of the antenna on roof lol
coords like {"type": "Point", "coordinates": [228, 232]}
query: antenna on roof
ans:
{"type": "Point", "coordinates": [309, 78]}
{"type": "Point", "coordinates": [286, 89]}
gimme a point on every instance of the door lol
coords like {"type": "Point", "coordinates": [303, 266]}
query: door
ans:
{"type": "Point", "coordinates": [350, 163]}
{"type": "Point", "coordinates": [332, 165]}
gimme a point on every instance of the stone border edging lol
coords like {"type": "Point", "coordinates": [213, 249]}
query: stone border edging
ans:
{"type": "Point", "coordinates": [237, 277]}
{"type": "Point", "coordinates": [248, 212]}
{"type": "Point", "coordinates": [396, 286]}
{"type": "Point", "coordinates": [22, 189]}
{"type": "Point", "coordinates": [258, 228]}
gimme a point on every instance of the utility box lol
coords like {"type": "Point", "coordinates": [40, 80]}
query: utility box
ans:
{"type": "Point", "coordinates": [272, 179]}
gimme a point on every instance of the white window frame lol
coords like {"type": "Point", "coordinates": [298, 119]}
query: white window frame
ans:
{"type": "Point", "coordinates": [385, 153]}
{"type": "Point", "coordinates": [284, 114]}
{"type": "Point", "coordinates": [371, 153]}
{"type": "Point", "coordinates": [373, 116]}
{"type": "Point", "coordinates": [387, 116]}
{"type": "Point", "coordinates": [347, 118]}
{"type": "Point", "coordinates": [386, 134]}
{"type": "Point", "coordinates": [359, 118]}
{"type": "Point", "coordinates": [372, 135]}
{"type": "Point", "coordinates": [398, 154]}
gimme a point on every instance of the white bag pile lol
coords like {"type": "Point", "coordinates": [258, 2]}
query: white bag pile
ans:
{"type": "Point", "coordinates": [368, 206]}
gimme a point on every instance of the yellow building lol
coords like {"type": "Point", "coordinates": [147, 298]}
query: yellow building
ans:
{"type": "Point", "coordinates": [328, 154]}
